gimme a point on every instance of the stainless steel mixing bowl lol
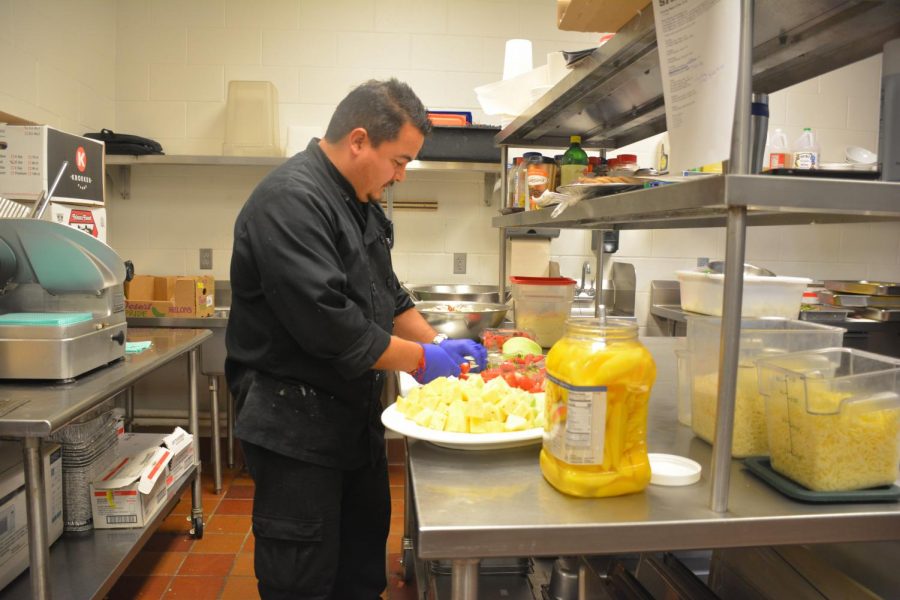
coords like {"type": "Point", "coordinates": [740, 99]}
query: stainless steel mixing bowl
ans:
{"type": "Point", "coordinates": [443, 291]}
{"type": "Point", "coordinates": [461, 319]}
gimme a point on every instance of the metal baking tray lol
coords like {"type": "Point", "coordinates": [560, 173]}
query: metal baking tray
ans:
{"type": "Point", "coordinates": [830, 298]}
{"type": "Point", "coordinates": [825, 314]}
{"type": "Point", "coordinates": [872, 288]}
{"type": "Point", "coordinates": [880, 314]}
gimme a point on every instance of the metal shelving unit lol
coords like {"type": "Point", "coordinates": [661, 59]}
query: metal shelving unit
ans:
{"type": "Point", "coordinates": [50, 406]}
{"type": "Point", "coordinates": [614, 97]}
{"type": "Point", "coordinates": [124, 163]}
{"type": "Point", "coordinates": [87, 565]}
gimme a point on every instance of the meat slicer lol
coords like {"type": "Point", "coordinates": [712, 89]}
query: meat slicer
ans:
{"type": "Point", "coordinates": [62, 302]}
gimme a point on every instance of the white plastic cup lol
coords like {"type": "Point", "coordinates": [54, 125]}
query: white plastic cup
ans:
{"type": "Point", "coordinates": [556, 67]}
{"type": "Point", "coordinates": [518, 58]}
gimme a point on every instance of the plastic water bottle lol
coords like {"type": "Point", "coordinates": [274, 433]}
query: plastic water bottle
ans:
{"type": "Point", "coordinates": [805, 151]}
{"type": "Point", "coordinates": [777, 152]}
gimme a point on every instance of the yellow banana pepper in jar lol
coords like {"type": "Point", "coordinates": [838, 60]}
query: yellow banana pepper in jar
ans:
{"type": "Point", "coordinates": [597, 391]}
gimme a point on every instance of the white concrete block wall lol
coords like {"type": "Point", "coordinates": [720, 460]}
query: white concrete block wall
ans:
{"type": "Point", "coordinates": [58, 62]}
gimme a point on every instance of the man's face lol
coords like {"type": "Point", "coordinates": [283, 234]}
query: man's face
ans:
{"type": "Point", "coordinates": [381, 166]}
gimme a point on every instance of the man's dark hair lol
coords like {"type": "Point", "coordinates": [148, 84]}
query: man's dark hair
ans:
{"type": "Point", "coordinates": [381, 108]}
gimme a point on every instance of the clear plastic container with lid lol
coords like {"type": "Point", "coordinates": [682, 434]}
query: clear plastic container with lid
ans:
{"type": "Point", "coordinates": [833, 417]}
{"type": "Point", "coordinates": [759, 338]}
{"type": "Point", "coordinates": [598, 385]}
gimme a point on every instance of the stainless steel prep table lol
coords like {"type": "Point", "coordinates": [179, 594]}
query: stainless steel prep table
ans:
{"type": "Point", "coordinates": [472, 505]}
{"type": "Point", "coordinates": [100, 556]}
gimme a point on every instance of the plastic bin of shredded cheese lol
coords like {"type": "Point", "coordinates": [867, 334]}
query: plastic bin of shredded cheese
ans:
{"type": "Point", "coordinates": [759, 338]}
{"type": "Point", "coordinates": [833, 417]}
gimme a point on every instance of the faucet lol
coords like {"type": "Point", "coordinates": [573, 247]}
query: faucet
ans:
{"type": "Point", "coordinates": [585, 271]}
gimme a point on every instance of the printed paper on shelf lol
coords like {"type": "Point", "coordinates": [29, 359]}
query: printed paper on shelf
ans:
{"type": "Point", "coordinates": [698, 49]}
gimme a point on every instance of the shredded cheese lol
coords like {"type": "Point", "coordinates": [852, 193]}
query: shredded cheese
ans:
{"type": "Point", "coordinates": [749, 437]}
{"type": "Point", "coordinates": [826, 447]}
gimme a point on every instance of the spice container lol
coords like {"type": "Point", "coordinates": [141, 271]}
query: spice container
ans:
{"type": "Point", "coordinates": [833, 417]}
{"type": "Point", "coordinates": [598, 385]}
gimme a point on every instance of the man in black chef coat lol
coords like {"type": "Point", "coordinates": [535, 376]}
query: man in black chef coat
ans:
{"type": "Point", "coordinates": [317, 316]}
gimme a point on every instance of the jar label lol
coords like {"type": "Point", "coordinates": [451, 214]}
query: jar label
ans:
{"type": "Point", "coordinates": [576, 422]}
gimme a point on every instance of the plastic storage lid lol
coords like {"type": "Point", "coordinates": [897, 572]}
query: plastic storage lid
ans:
{"type": "Point", "coordinates": [673, 470]}
{"type": "Point", "coordinates": [521, 280]}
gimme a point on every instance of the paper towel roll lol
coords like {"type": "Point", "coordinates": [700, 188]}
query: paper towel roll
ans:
{"type": "Point", "coordinates": [518, 58]}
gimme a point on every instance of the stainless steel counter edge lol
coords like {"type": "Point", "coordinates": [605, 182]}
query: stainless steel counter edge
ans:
{"type": "Point", "coordinates": [51, 405]}
{"type": "Point", "coordinates": [497, 504]}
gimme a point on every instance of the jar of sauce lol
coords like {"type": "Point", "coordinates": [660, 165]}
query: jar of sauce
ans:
{"type": "Point", "coordinates": [597, 388]}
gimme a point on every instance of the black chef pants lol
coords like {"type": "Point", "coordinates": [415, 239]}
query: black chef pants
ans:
{"type": "Point", "coordinates": [320, 533]}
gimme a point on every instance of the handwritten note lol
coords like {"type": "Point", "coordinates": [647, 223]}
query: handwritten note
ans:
{"type": "Point", "coordinates": [698, 52]}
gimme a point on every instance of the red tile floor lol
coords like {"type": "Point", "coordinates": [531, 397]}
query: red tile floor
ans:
{"type": "Point", "coordinates": [220, 566]}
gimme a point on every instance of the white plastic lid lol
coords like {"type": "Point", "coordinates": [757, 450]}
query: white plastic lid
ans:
{"type": "Point", "coordinates": [669, 469]}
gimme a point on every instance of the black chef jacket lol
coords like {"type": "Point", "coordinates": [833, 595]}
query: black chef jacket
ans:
{"type": "Point", "coordinates": [314, 296]}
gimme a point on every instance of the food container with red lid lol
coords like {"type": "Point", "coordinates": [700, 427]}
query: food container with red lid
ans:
{"type": "Point", "coordinates": [542, 305]}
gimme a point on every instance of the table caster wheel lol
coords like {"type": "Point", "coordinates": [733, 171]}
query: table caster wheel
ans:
{"type": "Point", "coordinates": [197, 528]}
{"type": "Point", "coordinates": [407, 562]}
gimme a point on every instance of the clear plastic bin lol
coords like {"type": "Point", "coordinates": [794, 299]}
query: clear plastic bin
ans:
{"type": "Point", "coordinates": [759, 338]}
{"type": "Point", "coordinates": [833, 417]}
{"type": "Point", "coordinates": [762, 297]}
{"type": "Point", "coordinates": [683, 390]}
{"type": "Point", "coordinates": [251, 119]}
{"type": "Point", "coordinates": [542, 305]}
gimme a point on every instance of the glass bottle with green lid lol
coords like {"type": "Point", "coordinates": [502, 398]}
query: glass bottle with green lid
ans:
{"type": "Point", "coordinates": [574, 161]}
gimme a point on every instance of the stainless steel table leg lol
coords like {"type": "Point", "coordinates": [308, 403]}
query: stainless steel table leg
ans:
{"type": "Point", "coordinates": [129, 408]}
{"type": "Point", "coordinates": [197, 487]}
{"type": "Point", "coordinates": [464, 580]}
{"type": "Point", "coordinates": [36, 510]}
{"type": "Point", "coordinates": [229, 425]}
{"type": "Point", "coordinates": [214, 442]}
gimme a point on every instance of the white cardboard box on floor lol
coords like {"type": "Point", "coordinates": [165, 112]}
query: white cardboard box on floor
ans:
{"type": "Point", "coordinates": [180, 442]}
{"type": "Point", "coordinates": [133, 488]}
{"type": "Point", "coordinates": [13, 517]}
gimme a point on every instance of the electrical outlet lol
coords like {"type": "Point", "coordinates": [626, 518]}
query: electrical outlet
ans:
{"type": "Point", "coordinates": [459, 263]}
{"type": "Point", "coordinates": [206, 258]}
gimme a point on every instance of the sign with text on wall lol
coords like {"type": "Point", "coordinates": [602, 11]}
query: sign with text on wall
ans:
{"type": "Point", "coordinates": [699, 46]}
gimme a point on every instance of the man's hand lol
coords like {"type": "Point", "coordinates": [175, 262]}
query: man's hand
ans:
{"type": "Point", "coordinates": [460, 349]}
{"type": "Point", "coordinates": [437, 363]}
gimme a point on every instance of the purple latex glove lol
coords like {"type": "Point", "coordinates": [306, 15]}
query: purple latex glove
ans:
{"type": "Point", "coordinates": [460, 349]}
{"type": "Point", "coordinates": [437, 364]}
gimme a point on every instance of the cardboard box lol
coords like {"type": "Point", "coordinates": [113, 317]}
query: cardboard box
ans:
{"type": "Point", "coordinates": [89, 219]}
{"type": "Point", "coordinates": [602, 16]}
{"type": "Point", "coordinates": [32, 155]}
{"type": "Point", "coordinates": [179, 442]}
{"type": "Point", "coordinates": [14, 557]}
{"type": "Point", "coordinates": [133, 489]}
{"type": "Point", "coordinates": [151, 296]}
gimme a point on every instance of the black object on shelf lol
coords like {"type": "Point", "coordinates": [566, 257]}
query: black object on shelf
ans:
{"type": "Point", "coordinates": [472, 143]}
{"type": "Point", "coordinates": [828, 173]}
{"type": "Point", "coordinates": [762, 468]}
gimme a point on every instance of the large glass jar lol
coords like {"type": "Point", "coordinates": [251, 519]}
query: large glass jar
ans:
{"type": "Point", "coordinates": [597, 390]}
